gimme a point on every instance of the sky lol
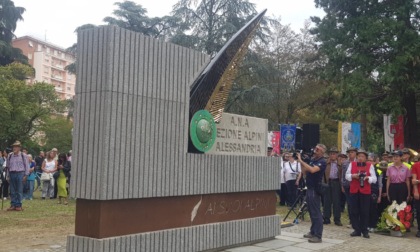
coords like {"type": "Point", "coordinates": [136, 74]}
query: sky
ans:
{"type": "Point", "coordinates": [54, 21]}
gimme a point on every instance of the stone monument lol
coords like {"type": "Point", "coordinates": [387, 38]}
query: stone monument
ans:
{"type": "Point", "coordinates": [141, 183]}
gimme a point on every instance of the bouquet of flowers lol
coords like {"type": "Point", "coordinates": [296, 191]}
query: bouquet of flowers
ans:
{"type": "Point", "coordinates": [396, 217]}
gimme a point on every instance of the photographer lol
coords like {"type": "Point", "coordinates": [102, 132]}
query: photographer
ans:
{"type": "Point", "coordinates": [361, 175]}
{"type": "Point", "coordinates": [314, 172]}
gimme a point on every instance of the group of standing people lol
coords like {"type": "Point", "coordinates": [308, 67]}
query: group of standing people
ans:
{"type": "Point", "coordinates": [368, 186]}
{"type": "Point", "coordinates": [19, 172]}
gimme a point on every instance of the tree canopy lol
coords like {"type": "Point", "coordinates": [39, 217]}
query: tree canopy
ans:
{"type": "Point", "coordinates": [9, 16]}
{"type": "Point", "coordinates": [373, 51]}
{"type": "Point", "coordinates": [24, 108]}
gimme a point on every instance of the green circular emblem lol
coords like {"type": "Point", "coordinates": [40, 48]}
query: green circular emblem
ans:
{"type": "Point", "coordinates": [203, 130]}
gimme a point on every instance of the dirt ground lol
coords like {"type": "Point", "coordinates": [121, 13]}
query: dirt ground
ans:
{"type": "Point", "coordinates": [34, 239]}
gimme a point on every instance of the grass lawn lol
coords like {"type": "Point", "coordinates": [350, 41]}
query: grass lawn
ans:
{"type": "Point", "coordinates": [41, 224]}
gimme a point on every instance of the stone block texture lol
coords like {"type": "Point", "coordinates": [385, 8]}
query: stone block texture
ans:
{"type": "Point", "coordinates": [131, 124]}
{"type": "Point", "coordinates": [195, 238]}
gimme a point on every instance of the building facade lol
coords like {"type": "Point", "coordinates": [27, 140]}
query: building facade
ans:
{"type": "Point", "coordinates": [49, 62]}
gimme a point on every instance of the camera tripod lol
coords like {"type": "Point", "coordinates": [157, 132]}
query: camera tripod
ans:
{"type": "Point", "coordinates": [303, 209]}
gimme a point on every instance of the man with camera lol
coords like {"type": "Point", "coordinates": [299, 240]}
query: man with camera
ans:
{"type": "Point", "coordinates": [314, 171]}
{"type": "Point", "coordinates": [361, 175]}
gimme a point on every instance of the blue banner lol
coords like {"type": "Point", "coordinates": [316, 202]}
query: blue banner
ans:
{"type": "Point", "coordinates": [288, 135]}
{"type": "Point", "coordinates": [355, 135]}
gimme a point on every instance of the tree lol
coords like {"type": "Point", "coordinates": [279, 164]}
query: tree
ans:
{"type": "Point", "coordinates": [373, 51]}
{"type": "Point", "coordinates": [133, 17]}
{"type": "Point", "coordinates": [9, 16]}
{"type": "Point", "coordinates": [71, 68]}
{"type": "Point", "coordinates": [206, 25]}
{"type": "Point", "coordinates": [277, 72]}
{"type": "Point", "coordinates": [57, 133]}
{"type": "Point", "coordinates": [24, 108]}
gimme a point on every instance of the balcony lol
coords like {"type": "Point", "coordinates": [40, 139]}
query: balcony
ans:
{"type": "Point", "coordinates": [57, 77]}
{"type": "Point", "coordinates": [59, 89]}
{"type": "Point", "coordinates": [59, 67]}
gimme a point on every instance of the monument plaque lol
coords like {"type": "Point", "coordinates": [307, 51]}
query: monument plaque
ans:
{"type": "Point", "coordinates": [240, 135]}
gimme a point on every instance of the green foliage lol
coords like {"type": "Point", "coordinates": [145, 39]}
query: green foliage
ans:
{"type": "Point", "coordinates": [206, 25]}
{"type": "Point", "coordinates": [9, 16]}
{"type": "Point", "coordinates": [24, 108]}
{"type": "Point", "coordinates": [71, 68]}
{"type": "Point", "coordinates": [373, 50]}
{"type": "Point", "coordinates": [57, 134]}
{"type": "Point", "coordinates": [132, 16]}
{"type": "Point", "coordinates": [276, 80]}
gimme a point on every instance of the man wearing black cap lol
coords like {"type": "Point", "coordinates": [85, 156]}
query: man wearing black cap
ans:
{"type": "Point", "coordinates": [361, 175]}
{"type": "Point", "coordinates": [314, 172]}
{"type": "Point", "coordinates": [406, 158]}
{"type": "Point", "coordinates": [385, 157]}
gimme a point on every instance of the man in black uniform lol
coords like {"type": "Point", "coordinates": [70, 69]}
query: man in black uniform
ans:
{"type": "Point", "coordinates": [314, 172]}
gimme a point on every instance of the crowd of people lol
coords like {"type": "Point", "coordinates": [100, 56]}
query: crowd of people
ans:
{"type": "Point", "coordinates": [20, 173]}
{"type": "Point", "coordinates": [364, 182]}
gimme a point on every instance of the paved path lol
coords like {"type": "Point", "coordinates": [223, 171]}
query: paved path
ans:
{"type": "Point", "coordinates": [334, 239]}
{"type": "Point", "coordinates": [291, 240]}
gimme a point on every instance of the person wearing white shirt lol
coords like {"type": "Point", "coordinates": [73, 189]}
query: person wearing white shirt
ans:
{"type": "Point", "coordinates": [361, 175]}
{"type": "Point", "coordinates": [283, 188]}
{"type": "Point", "coordinates": [292, 173]}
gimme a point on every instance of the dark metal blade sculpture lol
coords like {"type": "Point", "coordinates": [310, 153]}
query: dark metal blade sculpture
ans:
{"type": "Point", "coordinates": [211, 90]}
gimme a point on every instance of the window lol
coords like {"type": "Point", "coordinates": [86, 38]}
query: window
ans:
{"type": "Point", "coordinates": [29, 55]}
{"type": "Point", "coordinates": [48, 50]}
{"type": "Point", "coordinates": [68, 89]}
{"type": "Point", "coordinates": [30, 44]}
{"type": "Point", "coordinates": [39, 48]}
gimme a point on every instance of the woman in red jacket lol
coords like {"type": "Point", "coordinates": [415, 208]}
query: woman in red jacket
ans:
{"type": "Point", "coordinates": [361, 175]}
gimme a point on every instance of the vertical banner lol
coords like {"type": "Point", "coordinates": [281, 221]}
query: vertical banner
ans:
{"type": "Point", "coordinates": [349, 135]}
{"type": "Point", "coordinates": [356, 135]}
{"type": "Point", "coordinates": [345, 140]}
{"type": "Point", "coordinates": [388, 135]}
{"type": "Point", "coordinates": [288, 134]}
{"type": "Point", "coordinates": [398, 130]}
{"type": "Point", "coordinates": [274, 141]}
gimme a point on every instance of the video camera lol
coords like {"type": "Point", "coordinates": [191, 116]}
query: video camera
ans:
{"type": "Point", "coordinates": [306, 157]}
{"type": "Point", "coordinates": [362, 174]}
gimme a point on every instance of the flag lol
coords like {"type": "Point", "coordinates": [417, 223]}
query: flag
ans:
{"type": "Point", "coordinates": [349, 135]}
{"type": "Point", "coordinates": [288, 135]}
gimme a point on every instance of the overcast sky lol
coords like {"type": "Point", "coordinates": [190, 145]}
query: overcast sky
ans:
{"type": "Point", "coordinates": [56, 20]}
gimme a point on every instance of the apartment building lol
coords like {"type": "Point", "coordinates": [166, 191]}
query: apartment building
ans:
{"type": "Point", "coordinates": [49, 62]}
